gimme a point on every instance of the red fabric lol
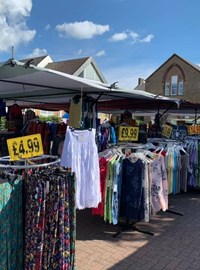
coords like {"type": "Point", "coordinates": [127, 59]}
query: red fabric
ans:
{"type": "Point", "coordinates": [103, 166]}
{"type": "Point", "coordinates": [163, 153]}
{"type": "Point", "coordinates": [41, 128]}
{"type": "Point", "coordinates": [15, 112]}
{"type": "Point", "coordinates": [61, 130]}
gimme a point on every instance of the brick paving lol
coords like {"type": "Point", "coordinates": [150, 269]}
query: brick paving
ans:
{"type": "Point", "coordinates": [175, 244]}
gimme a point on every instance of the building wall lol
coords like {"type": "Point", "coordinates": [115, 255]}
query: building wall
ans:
{"type": "Point", "coordinates": [45, 61]}
{"type": "Point", "coordinates": [186, 72]}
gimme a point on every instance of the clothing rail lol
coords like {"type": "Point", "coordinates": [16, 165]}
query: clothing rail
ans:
{"type": "Point", "coordinates": [28, 163]}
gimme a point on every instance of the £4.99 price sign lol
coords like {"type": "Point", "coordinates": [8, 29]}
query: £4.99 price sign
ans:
{"type": "Point", "coordinates": [25, 147]}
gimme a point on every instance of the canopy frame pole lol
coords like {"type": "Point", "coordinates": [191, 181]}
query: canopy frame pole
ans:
{"type": "Point", "coordinates": [97, 99]}
{"type": "Point", "coordinates": [166, 110]}
{"type": "Point", "coordinates": [195, 117]}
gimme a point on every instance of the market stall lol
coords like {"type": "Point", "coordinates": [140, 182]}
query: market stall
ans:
{"type": "Point", "coordinates": [29, 86]}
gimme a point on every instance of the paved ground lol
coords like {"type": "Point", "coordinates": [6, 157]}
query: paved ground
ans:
{"type": "Point", "coordinates": [175, 244]}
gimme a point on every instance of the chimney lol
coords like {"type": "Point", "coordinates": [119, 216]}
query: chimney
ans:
{"type": "Point", "coordinates": [140, 81]}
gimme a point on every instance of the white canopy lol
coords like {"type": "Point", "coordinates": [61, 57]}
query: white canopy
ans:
{"type": "Point", "coordinates": [31, 85]}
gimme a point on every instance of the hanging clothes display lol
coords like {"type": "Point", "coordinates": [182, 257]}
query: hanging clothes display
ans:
{"type": "Point", "coordinates": [50, 220]}
{"type": "Point", "coordinates": [192, 147]}
{"type": "Point", "coordinates": [83, 112]}
{"type": "Point", "coordinates": [36, 126]}
{"type": "Point", "coordinates": [111, 193]}
{"type": "Point", "coordinates": [180, 160]}
{"type": "Point", "coordinates": [37, 215]}
{"type": "Point", "coordinates": [103, 166]}
{"type": "Point", "coordinates": [177, 164]}
{"type": "Point", "coordinates": [126, 185]}
{"type": "Point", "coordinates": [80, 154]}
{"type": "Point", "coordinates": [11, 224]}
{"type": "Point", "coordinates": [105, 134]}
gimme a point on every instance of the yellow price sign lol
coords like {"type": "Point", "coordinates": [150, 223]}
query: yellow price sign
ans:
{"type": "Point", "coordinates": [128, 133]}
{"type": "Point", "coordinates": [191, 130]}
{"type": "Point", "coordinates": [197, 129]}
{"type": "Point", "coordinates": [25, 147]}
{"type": "Point", "coordinates": [167, 131]}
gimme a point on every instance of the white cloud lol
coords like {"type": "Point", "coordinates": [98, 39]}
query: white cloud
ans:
{"type": "Point", "coordinates": [127, 76]}
{"type": "Point", "coordinates": [37, 52]}
{"type": "Point", "coordinates": [119, 37]}
{"type": "Point", "coordinates": [15, 10]}
{"type": "Point", "coordinates": [134, 37]}
{"type": "Point", "coordinates": [13, 28]}
{"type": "Point", "coordinates": [147, 39]}
{"type": "Point", "coordinates": [47, 27]}
{"type": "Point", "coordinates": [130, 35]}
{"type": "Point", "coordinates": [100, 53]}
{"type": "Point", "coordinates": [81, 30]}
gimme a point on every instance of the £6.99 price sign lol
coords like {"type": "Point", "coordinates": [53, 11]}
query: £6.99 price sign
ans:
{"type": "Point", "coordinates": [25, 147]}
{"type": "Point", "coordinates": [128, 133]}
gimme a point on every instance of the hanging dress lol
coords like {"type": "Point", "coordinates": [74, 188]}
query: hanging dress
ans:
{"type": "Point", "coordinates": [81, 155]}
{"type": "Point", "coordinates": [132, 194]}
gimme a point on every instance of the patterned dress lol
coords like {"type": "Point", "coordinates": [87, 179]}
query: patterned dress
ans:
{"type": "Point", "coordinates": [50, 228]}
{"type": "Point", "coordinates": [132, 194]}
{"type": "Point", "coordinates": [159, 187]}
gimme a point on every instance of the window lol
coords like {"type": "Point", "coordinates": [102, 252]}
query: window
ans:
{"type": "Point", "coordinates": [180, 88]}
{"type": "Point", "coordinates": [167, 88]}
{"type": "Point", "coordinates": [174, 85]}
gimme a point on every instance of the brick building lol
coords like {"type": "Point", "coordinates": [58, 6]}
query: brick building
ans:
{"type": "Point", "coordinates": [176, 77]}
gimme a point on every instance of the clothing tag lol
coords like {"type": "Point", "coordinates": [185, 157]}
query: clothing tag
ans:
{"type": "Point", "coordinates": [47, 187]}
{"type": "Point", "coordinates": [115, 188]}
{"type": "Point", "coordinates": [81, 138]}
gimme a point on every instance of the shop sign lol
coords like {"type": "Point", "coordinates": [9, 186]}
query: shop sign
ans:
{"type": "Point", "coordinates": [128, 133]}
{"type": "Point", "coordinates": [25, 147]}
{"type": "Point", "coordinates": [167, 131]}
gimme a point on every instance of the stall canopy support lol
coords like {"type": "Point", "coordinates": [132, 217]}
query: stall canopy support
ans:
{"type": "Point", "coordinates": [131, 227]}
{"type": "Point", "coordinates": [97, 99]}
{"type": "Point", "coordinates": [165, 110]}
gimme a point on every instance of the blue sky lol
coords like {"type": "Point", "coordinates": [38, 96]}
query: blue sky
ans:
{"type": "Point", "coordinates": [127, 38]}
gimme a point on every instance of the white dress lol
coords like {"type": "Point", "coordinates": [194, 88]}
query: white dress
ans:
{"type": "Point", "coordinates": [81, 155]}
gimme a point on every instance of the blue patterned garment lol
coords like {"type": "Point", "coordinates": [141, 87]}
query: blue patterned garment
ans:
{"type": "Point", "coordinates": [11, 225]}
{"type": "Point", "coordinates": [132, 194]}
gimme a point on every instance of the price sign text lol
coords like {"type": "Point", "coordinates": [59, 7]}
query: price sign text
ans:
{"type": "Point", "coordinates": [167, 131]}
{"type": "Point", "coordinates": [25, 147]}
{"type": "Point", "coordinates": [128, 133]}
